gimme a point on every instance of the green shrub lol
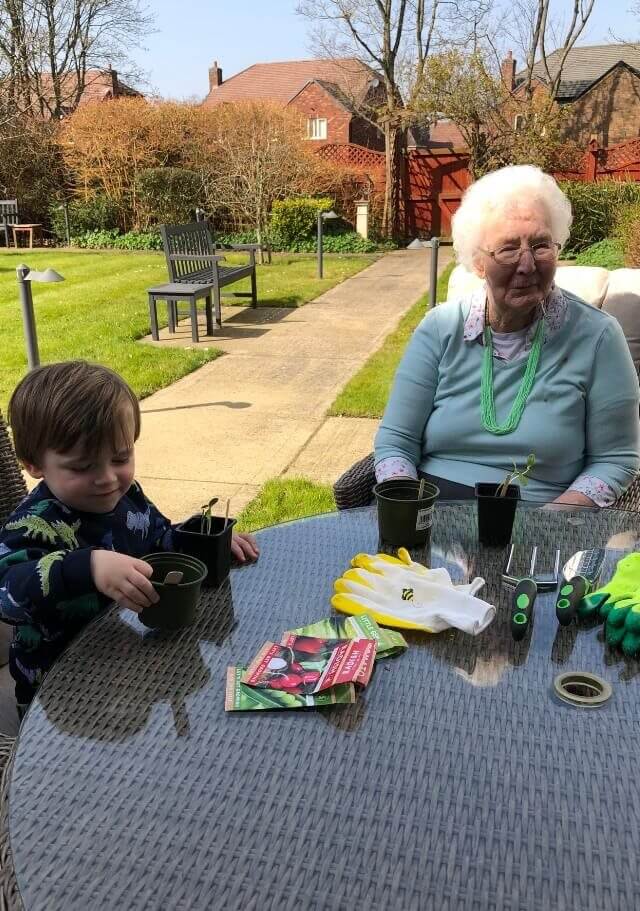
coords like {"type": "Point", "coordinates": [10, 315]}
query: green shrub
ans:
{"type": "Point", "coordinates": [112, 240]}
{"type": "Point", "coordinates": [606, 253]}
{"type": "Point", "coordinates": [95, 214]}
{"type": "Point", "coordinates": [235, 237]}
{"type": "Point", "coordinates": [295, 220]}
{"type": "Point", "coordinates": [596, 207]}
{"type": "Point", "coordinates": [628, 235]}
{"type": "Point", "coordinates": [168, 195]}
{"type": "Point", "coordinates": [342, 242]}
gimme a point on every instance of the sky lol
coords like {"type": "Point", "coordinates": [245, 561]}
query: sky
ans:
{"type": "Point", "coordinates": [192, 34]}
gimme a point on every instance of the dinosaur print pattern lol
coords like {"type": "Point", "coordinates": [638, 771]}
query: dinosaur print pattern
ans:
{"type": "Point", "coordinates": [47, 591]}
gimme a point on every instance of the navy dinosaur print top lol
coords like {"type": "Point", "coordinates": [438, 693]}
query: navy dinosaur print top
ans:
{"type": "Point", "coordinates": [46, 589]}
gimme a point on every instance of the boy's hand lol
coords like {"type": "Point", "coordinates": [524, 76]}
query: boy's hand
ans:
{"type": "Point", "coordinates": [244, 547]}
{"type": "Point", "coordinates": [124, 579]}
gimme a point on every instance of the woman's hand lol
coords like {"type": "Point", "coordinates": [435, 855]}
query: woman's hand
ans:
{"type": "Point", "coordinates": [573, 498]}
{"type": "Point", "coordinates": [244, 547]}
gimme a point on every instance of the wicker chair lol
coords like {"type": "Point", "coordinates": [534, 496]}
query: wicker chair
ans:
{"type": "Point", "coordinates": [12, 490]}
{"type": "Point", "coordinates": [12, 486]}
{"type": "Point", "coordinates": [355, 488]}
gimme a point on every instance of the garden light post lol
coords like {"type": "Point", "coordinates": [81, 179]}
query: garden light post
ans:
{"type": "Point", "coordinates": [67, 226]}
{"type": "Point", "coordinates": [322, 216]}
{"type": "Point", "coordinates": [434, 244]}
{"type": "Point", "coordinates": [25, 277]}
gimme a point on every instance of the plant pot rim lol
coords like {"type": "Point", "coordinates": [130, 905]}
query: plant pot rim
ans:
{"type": "Point", "coordinates": [178, 559]}
{"type": "Point", "coordinates": [202, 534]}
{"type": "Point", "coordinates": [513, 491]}
{"type": "Point", "coordinates": [431, 491]}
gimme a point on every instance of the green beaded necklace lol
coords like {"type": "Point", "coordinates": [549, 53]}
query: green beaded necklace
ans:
{"type": "Point", "coordinates": [487, 403]}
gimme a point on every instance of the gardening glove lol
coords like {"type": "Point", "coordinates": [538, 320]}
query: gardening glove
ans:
{"type": "Point", "coordinates": [622, 628]}
{"type": "Point", "coordinates": [388, 566]}
{"type": "Point", "coordinates": [409, 600]}
{"type": "Point", "coordinates": [625, 581]}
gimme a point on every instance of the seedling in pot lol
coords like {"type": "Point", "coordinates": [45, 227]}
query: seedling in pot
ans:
{"type": "Point", "coordinates": [517, 475]}
{"type": "Point", "coordinates": [205, 520]}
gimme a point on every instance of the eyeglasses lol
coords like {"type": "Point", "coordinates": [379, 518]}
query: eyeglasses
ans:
{"type": "Point", "coordinates": [545, 251]}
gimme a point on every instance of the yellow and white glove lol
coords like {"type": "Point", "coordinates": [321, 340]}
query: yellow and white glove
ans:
{"type": "Point", "coordinates": [410, 599]}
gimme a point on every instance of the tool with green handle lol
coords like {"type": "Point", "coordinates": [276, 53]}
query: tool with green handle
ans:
{"type": "Point", "coordinates": [524, 597]}
{"type": "Point", "coordinates": [526, 590]}
{"type": "Point", "coordinates": [581, 573]}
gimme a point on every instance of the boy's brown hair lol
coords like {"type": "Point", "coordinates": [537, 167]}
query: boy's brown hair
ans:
{"type": "Point", "coordinates": [59, 405]}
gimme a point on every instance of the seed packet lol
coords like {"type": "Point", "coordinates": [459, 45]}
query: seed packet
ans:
{"type": "Point", "coordinates": [390, 642]}
{"type": "Point", "coordinates": [242, 698]}
{"type": "Point", "coordinates": [308, 664]}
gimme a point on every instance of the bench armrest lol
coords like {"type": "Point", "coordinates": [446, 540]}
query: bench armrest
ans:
{"type": "Point", "coordinates": [242, 246]}
{"type": "Point", "coordinates": [189, 257]}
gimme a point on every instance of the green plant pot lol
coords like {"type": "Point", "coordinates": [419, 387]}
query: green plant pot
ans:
{"type": "Point", "coordinates": [214, 549]}
{"type": "Point", "coordinates": [496, 514]}
{"type": "Point", "coordinates": [404, 519]}
{"type": "Point", "coordinates": [178, 604]}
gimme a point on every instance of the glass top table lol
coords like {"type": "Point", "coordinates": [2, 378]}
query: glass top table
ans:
{"type": "Point", "coordinates": [457, 780]}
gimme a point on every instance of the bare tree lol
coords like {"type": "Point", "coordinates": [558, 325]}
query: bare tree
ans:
{"type": "Point", "coordinates": [536, 27]}
{"type": "Point", "coordinates": [396, 38]}
{"type": "Point", "coordinates": [254, 155]}
{"type": "Point", "coordinates": [49, 47]}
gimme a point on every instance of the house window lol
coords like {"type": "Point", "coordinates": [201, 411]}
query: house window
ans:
{"type": "Point", "coordinates": [519, 122]}
{"type": "Point", "coordinates": [317, 128]}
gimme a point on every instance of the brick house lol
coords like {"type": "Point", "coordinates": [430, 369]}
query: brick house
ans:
{"type": "Point", "coordinates": [600, 87]}
{"type": "Point", "coordinates": [330, 94]}
{"type": "Point", "coordinates": [100, 85]}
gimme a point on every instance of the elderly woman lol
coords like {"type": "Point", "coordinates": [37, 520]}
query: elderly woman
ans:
{"type": "Point", "coordinates": [515, 367]}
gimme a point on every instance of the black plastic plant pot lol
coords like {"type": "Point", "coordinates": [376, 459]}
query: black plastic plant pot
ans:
{"type": "Point", "coordinates": [404, 518]}
{"type": "Point", "coordinates": [496, 514]}
{"type": "Point", "coordinates": [213, 549]}
{"type": "Point", "coordinates": [178, 603]}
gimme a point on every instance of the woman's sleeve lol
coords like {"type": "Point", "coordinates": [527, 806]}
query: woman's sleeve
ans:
{"type": "Point", "coordinates": [412, 394]}
{"type": "Point", "coordinates": [612, 422]}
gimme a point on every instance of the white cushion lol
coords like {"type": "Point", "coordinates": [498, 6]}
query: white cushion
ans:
{"type": "Point", "coordinates": [623, 301]}
{"type": "Point", "coordinates": [626, 282]}
{"type": "Point", "coordinates": [586, 282]}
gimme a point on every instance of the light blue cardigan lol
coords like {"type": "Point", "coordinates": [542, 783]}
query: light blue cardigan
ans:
{"type": "Point", "coordinates": [581, 415]}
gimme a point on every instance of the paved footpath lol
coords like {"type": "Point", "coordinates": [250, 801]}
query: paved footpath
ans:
{"type": "Point", "coordinates": [259, 411]}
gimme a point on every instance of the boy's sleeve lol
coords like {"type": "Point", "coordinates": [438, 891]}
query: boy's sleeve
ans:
{"type": "Point", "coordinates": [160, 527]}
{"type": "Point", "coordinates": [39, 568]}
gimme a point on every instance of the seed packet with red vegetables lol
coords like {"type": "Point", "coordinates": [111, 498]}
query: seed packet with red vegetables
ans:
{"type": "Point", "coordinates": [242, 698]}
{"type": "Point", "coordinates": [390, 641]}
{"type": "Point", "coordinates": [307, 664]}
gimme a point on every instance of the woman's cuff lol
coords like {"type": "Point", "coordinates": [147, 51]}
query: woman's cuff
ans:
{"type": "Point", "coordinates": [395, 467]}
{"type": "Point", "coordinates": [597, 490]}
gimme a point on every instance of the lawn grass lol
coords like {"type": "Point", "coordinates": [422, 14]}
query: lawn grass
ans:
{"type": "Point", "coordinates": [366, 393]}
{"type": "Point", "coordinates": [101, 309]}
{"type": "Point", "coordinates": [281, 500]}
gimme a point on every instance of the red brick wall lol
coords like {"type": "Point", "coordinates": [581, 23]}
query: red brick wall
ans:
{"type": "Point", "coordinates": [610, 111]}
{"type": "Point", "coordinates": [314, 101]}
{"type": "Point", "coordinates": [363, 133]}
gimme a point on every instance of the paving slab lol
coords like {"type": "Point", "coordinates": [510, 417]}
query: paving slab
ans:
{"type": "Point", "coordinates": [251, 414]}
{"type": "Point", "coordinates": [336, 445]}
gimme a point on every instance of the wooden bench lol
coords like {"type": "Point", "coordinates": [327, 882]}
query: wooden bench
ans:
{"type": "Point", "coordinates": [193, 259]}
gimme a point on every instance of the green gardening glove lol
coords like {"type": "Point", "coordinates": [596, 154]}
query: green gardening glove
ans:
{"type": "Point", "coordinates": [622, 628]}
{"type": "Point", "coordinates": [622, 587]}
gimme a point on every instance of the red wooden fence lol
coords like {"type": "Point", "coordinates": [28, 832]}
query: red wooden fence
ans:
{"type": "Point", "coordinates": [434, 180]}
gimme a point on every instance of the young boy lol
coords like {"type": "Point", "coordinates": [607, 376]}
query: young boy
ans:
{"type": "Point", "coordinates": [74, 544]}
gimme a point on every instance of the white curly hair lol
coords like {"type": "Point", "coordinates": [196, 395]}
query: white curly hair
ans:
{"type": "Point", "coordinates": [503, 191]}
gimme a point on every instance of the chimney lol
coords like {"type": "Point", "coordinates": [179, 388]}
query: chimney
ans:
{"type": "Point", "coordinates": [215, 76]}
{"type": "Point", "coordinates": [508, 72]}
